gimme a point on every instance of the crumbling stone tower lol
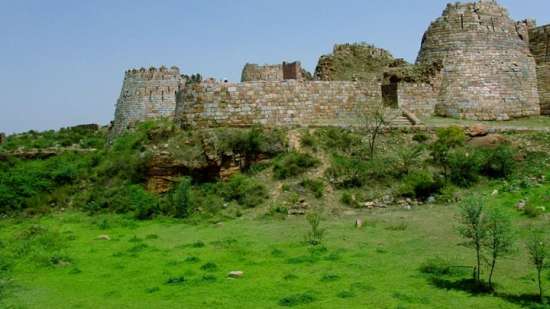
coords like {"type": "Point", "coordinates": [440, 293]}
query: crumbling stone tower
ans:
{"type": "Point", "coordinates": [488, 71]}
{"type": "Point", "coordinates": [147, 94]}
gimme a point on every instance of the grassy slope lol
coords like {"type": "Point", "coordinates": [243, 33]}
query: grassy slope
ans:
{"type": "Point", "coordinates": [377, 264]}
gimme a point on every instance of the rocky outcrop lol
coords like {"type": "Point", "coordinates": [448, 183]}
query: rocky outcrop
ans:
{"type": "Point", "coordinates": [354, 62]}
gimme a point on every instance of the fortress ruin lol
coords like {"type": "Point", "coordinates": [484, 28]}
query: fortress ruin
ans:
{"type": "Point", "coordinates": [475, 62]}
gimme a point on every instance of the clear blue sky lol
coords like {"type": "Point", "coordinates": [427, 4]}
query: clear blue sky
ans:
{"type": "Point", "coordinates": [63, 61]}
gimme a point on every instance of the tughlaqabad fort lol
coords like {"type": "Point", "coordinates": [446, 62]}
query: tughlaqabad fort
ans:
{"type": "Point", "coordinates": [475, 62]}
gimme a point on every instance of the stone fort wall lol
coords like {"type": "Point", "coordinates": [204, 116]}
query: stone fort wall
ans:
{"type": "Point", "coordinates": [485, 71]}
{"type": "Point", "coordinates": [540, 47]}
{"type": "Point", "coordinates": [488, 71]}
{"type": "Point", "coordinates": [146, 94]}
{"type": "Point", "coordinates": [275, 103]}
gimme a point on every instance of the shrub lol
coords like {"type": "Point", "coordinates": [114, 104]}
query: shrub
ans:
{"type": "Point", "coordinates": [181, 199]}
{"type": "Point", "coordinates": [346, 172]}
{"type": "Point", "coordinates": [421, 137]}
{"type": "Point", "coordinates": [245, 191]}
{"type": "Point", "coordinates": [409, 158]}
{"type": "Point", "coordinates": [499, 162]}
{"type": "Point", "coordinates": [315, 235]}
{"type": "Point", "coordinates": [438, 267]}
{"type": "Point", "coordinates": [293, 164]}
{"type": "Point", "coordinates": [463, 167]}
{"type": "Point", "coordinates": [309, 140]}
{"type": "Point", "coordinates": [340, 140]}
{"type": "Point", "coordinates": [532, 211]}
{"type": "Point", "coordinates": [297, 300]}
{"type": "Point", "coordinates": [420, 185]}
{"type": "Point", "coordinates": [251, 143]}
{"type": "Point", "coordinates": [447, 139]}
{"type": "Point", "coordinates": [315, 186]}
{"type": "Point", "coordinates": [210, 266]}
{"type": "Point", "coordinates": [144, 204]}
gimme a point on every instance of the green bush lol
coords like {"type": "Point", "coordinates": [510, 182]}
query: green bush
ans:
{"type": "Point", "coordinates": [347, 172]}
{"type": "Point", "coordinates": [244, 190]}
{"type": "Point", "coordinates": [533, 211]}
{"type": "Point", "coordinates": [498, 162]}
{"type": "Point", "coordinates": [317, 187]}
{"type": "Point", "coordinates": [182, 198]}
{"type": "Point", "coordinates": [420, 185]}
{"type": "Point", "coordinates": [297, 300]}
{"type": "Point", "coordinates": [251, 143]}
{"type": "Point", "coordinates": [447, 139]}
{"type": "Point", "coordinates": [293, 164]}
{"type": "Point", "coordinates": [421, 137]}
{"type": "Point", "coordinates": [309, 140]}
{"type": "Point", "coordinates": [339, 140]}
{"type": "Point", "coordinates": [463, 167]}
{"type": "Point", "coordinates": [145, 205]}
{"type": "Point", "coordinates": [440, 267]}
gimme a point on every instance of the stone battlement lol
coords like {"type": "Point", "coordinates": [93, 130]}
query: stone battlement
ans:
{"type": "Point", "coordinates": [153, 73]}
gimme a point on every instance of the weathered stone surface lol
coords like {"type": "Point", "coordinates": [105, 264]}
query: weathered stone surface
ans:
{"type": "Point", "coordinates": [287, 103]}
{"type": "Point", "coordinates": [278, 72]}
{"type": "Point", "coordinates": [488, 71]}
{"type": "Point", "coordinates": [540, 47]}
{"type": "Point", "coordinates": [147, 94]}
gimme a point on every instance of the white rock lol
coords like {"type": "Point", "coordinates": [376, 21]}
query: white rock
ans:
{"type": "Point", "coordinates": [235, 274]}
{"type": "Point", "coordinates": [103, 237]}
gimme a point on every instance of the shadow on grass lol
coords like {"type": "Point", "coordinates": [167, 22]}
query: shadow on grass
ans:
{"type": "Point", "coordinates": [476, 289]}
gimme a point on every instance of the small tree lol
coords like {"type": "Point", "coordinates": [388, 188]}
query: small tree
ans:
{"type": "Point", "coordinates": [316, 234]}
{"type": "Point", "coordinates": [447, 139]}
{"type": "Point", "coordinates": [182, 198]}
{"type": "Point", "coordinates": [375, 121]}
{"type": "Point", "coordinates": [474, 228]}
{"type": "Point", "coordinates": [538, 250]}
{"type": "Point", "coordinates": [500, 238]}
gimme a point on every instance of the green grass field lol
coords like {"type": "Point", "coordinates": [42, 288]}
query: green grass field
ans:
{"type": "Point", "coordinates": [166, 263]}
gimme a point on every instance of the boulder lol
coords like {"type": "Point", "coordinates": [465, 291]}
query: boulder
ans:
{"type": "Point", "coordinates": [477, 130]}
{"type": "Point", "coordinates": [359, 223]}
{"type": "Point", "coordinates": [488, 141]}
